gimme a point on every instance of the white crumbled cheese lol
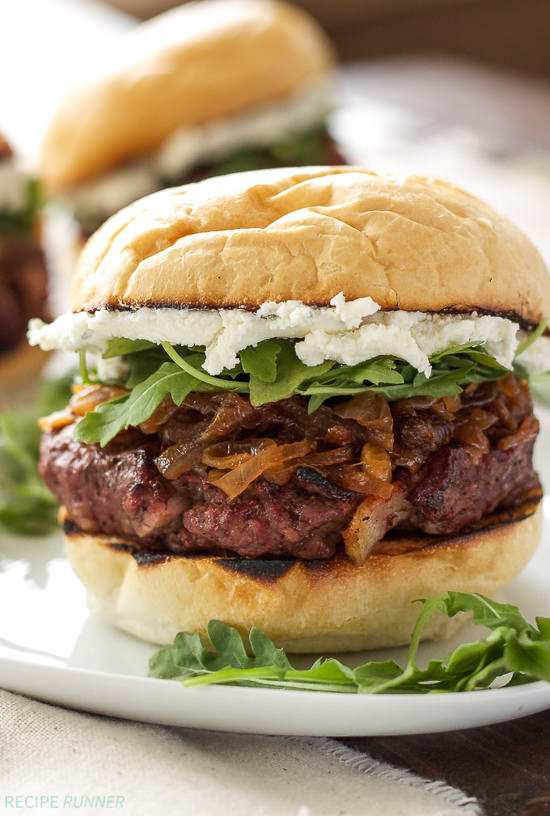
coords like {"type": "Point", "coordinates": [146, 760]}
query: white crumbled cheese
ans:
{"type": "Point", "coordinates": [352, 312]}
{"type": "Point", "coordinates": [352, 347]}
{"type": "Point", "coordinates": [190, 147]}
{"type": "Point", "coordinates": [348, 332]}
{"type": "Point", "coordinates": [499, 336]}
{"type": "Point", "coordinates": [13, 186]}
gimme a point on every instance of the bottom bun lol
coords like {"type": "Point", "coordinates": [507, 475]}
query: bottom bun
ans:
{"type": "Point", "coordinates": [19, 369]}
{"type": "Point", "coordinates": [304, 606]}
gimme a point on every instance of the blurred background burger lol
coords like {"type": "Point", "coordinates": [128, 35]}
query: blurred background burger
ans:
{"type": "Point", "coordinates": [206, 89]}
{"type": "Point", "coordinates": [23, 275]}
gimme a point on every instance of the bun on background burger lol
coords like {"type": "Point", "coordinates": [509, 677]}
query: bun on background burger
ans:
{"type": "Point", "coordinates": [204, 89]}
{"type": "Point", "coordinates": [308, 407]}
{"type": "Point", "coordinates": [23, 274]}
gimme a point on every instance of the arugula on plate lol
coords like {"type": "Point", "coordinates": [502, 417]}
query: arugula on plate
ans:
{"type": "Point", "coordinates": [514, 651]}
{"type": "Point", "coordinates": [26, 505]}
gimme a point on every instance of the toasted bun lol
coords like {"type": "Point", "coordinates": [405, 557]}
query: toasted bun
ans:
{"type": "Point", "coordinates": [316, 606]}
{"type": "Point", "coordinates": [18, 373]}
{"type": "Point", "coordinates": [200, 62]}
{"type": "Point", "coordinates": [307, 234]}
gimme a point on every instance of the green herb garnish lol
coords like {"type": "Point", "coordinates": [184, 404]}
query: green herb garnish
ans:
{"type": "Point", "coordinates": [268, 372]}
{"type": "Point", "coordinates": [514, 650]}
{"type": "Point", "coordinates": [26, 505]}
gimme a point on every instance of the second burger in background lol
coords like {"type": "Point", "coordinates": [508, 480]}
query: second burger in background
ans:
{"type": "Point", "coordinates": [205, 89]}
{"type": "Point", "coordinates": [23, 275]}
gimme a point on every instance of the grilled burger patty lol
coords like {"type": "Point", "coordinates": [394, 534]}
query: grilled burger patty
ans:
{"type": "Point", "coordinates": [453, 460]}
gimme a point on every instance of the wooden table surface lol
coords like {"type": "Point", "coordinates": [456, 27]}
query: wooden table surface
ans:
{"type": "Point", "coordinates": [506, 766]}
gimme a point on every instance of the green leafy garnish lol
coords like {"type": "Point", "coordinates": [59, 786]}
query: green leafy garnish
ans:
{"type": "Point", "coordinates": [261, 361]}
{"type": "Point", "coordinates": [134, 408]}
{"type": "Point", "coordinates": [26, 505]}
{"type": "Point", "coordinates": [271, 371]}
{"type": "Point", "coordinates": [290, 376]}
{"type": "Point", "coordinates": [514, 650]}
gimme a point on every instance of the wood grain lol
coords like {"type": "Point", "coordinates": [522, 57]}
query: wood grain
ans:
{"type": "Point", "coordinates": [506, 766]}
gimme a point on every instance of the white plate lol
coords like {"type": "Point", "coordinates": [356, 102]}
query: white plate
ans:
{"type": "Point", "coordinates": [52, 648]}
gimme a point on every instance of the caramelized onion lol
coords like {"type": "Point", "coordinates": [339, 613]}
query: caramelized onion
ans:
{"type": "Point", "coordinates": [160, 416]}
{"type": "Point", "coordinates": [372, 411]}
{"type": "Point", "coordinates": [179, 458]}
{"type": "Point", "coordinates": [57, 420]}
{"type": "Point", "coordinates": [376, 462]}
{"type": "Point", "coordinates": [528, 430]}
{"type": "Point", "coordinates": [87, 397]}
{"type": "Point", "coordinates": [237, 480]}
{"type": "Point", "coordinates": [229, 412]}
{"type": "Point", "coordinates": [224, 455]}
{"type": "Point", "coordinates": [452, 403]}
{"type": "Point", "coordinates": [351, 477]}
{"type": "Point", "coordinates": [316, 461]}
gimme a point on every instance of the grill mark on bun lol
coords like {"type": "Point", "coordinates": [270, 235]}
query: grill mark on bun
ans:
{"type": "Point", "coordinates": [268, 570]}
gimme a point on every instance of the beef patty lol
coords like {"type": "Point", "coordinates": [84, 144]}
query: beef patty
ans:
{"type": "Point", "coordinates": [456, 460]}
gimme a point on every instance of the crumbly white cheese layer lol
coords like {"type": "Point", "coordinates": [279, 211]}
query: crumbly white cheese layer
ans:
{"type": "Point", "coordinates": [348, 332]}
{"type": "Point", "coordinates": [189, 147]}
{"type": "Point", "coordinates": [13, 186]}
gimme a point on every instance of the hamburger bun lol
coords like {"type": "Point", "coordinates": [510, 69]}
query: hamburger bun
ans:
{"type": "Point", "coordinates": [271, 235]}
{"type": "Point", "coordinates": [307, 234]}
{"type": "Point", "coordinates": [194, 64]}
{"type": "Point", "coordinates": [315, 606]}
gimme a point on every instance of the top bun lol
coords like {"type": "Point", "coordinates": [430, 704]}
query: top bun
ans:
{"type": "Point", "coordinates": [196, 63]}
{"type": "Point", "coordinates": [307, 234]}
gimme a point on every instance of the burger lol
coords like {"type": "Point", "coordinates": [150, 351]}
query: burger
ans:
{"type": "Point", "coordinates": [303, 404]}
{"type": "Point", "coordinates": [23, 275]}
{"type": "Point", "coordinates": [209, 88]}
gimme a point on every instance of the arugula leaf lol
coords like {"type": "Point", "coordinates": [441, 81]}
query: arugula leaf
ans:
{"type": "Point", "coordinates": [513, 647]}
{"type": "Point", "coordinates": [26, 505]}
{"type": "Point", "coordinates": [261, 361]}
{"type": "Point", "coordinates": [291, 373]}
{"type": "Point", "coordinates": [109, 418]}
{"type": "Point", "coordinates": [120, 346]}
{"type": "Point", "coordinates": [192, 365]}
